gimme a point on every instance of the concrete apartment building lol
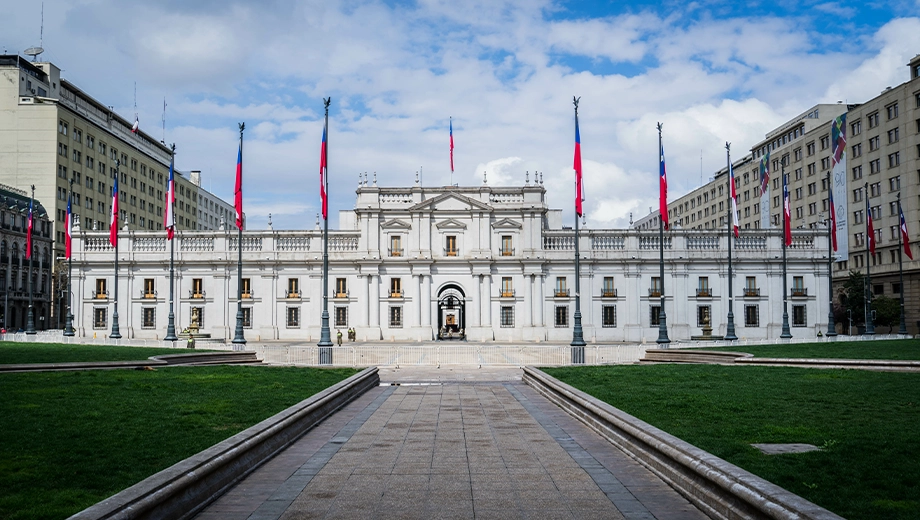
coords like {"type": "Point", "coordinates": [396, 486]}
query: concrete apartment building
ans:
{"type": "Point", "coordinates": [882, 150]}
{"type": "Point", "coordinates": [15, 269]}
{"type": "Point", "coordinates": [52, 131]}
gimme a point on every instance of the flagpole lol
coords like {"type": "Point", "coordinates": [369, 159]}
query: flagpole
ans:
{"type": "Point", "coordinates": [902, 329]}
{"type": "Point", "coordinates": [238, 338]}
{"type": "Point", "coordinates": [116, 332]}
{"type": "Point", "coordinates": [171, 324]}
{"type": "Point", "coordinates": [831, 327]}
{"type": "Point", "coordinates": [68, 320]}
{"type": "Point", "coordinates": [730, 328]}
{"type": "Point", "coordinates": [325, 339]}
{"type": "Point", "coordinates": [578, 340]}
{"type": "Point", "coordinates": [786, 333]}
{"type": "Point", "coordinates": [30, 319]}
{"type": "Point", "coordinates": [870, 236]}
{"type": "Point", "coordinates": [662, 315]}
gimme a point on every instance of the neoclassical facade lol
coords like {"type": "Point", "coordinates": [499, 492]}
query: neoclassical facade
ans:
{"type": "Point", "coordinates": [480, 263]}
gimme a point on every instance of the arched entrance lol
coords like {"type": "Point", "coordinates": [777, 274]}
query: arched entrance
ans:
{"type": "Point", "coordinates": [451, 313]}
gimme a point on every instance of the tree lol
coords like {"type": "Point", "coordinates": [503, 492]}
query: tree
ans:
{"type": "Point", "coordinates": [887, 311]}
{"type": "Point", "coordinates": [854, 293]}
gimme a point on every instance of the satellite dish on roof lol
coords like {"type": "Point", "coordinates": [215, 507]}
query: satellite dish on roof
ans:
{"type": "Point", "coordinates": [33, 51]}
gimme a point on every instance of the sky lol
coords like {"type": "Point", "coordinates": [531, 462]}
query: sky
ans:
{"type": "Point", "coordinates": [505, 71]}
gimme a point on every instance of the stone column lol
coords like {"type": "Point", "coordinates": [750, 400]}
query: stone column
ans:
{"type": "Point", "coordinates": [487, 301]}
{"type": "Point", "coordinates": [541, 281]}
{"type": "Point", "coordinates": [426, 300]}
{"type": "Point", "coordinates": [528, 310]}
{"type": "Point", "coordinates": [362, 319]}
{"type": "Point", "coordinates": [417, 319]}
{"type": "Point", "coordinates": [476, 315]}
{"type": "Point", "coordinates": [374, 289]}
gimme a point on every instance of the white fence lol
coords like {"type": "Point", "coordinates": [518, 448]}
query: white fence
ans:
{"type": "Point", "coordinates": [438, 355]}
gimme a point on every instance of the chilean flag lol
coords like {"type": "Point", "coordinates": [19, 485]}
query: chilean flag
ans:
{"type": "Point", "coordinates": [451, 144]}
{"type": "Point", "coordinates": [238, 190]}
{"type": "Point", "coordinates": [29, 232]}
{"type": "Point", "coordinates": [113, 222]}
{"type": "Point", "coordinates": [870, 227]}
{"type": "Point", "coordinates": [579, 187]}
{"type": "Point", "coordinates": [169, 218]}
{"type": "Point", "coordinates": [904, 237]}
{"type": "Point", "coordinates": [135, 126]}
{"type": "Point", "coordinates": [68, 228]}
{"type": "Point", "coordinates": [322, 176]}
{"type": "Point", "coordinates": [833, 222]}
{"type": "Point", "coordinates": [787, 213]}
{"type": "Point", "coordinates": [734, 195]}
{"type": "Point", "coordinates": [662, 187]}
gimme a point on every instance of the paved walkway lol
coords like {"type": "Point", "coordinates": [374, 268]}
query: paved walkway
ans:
{"type": "Point", "coordinates": [451, 443]}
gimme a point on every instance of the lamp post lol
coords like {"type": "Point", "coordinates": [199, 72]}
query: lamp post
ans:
{"type": "Point", "coordinates": [870, 241]}
{"type": "Point", "coordinates": [578, 340]}
{"type": "Point", "coordinates": [68, 321]}
{"type": "Point", "coordinates": [238, 338]}
{"type": "Point", "coordinates": [902, 328]}
{"type": "Point", "coordinates": [170, 211]}
{"type": "Point", "coordinates": [785, 334]}
{"type": "Point", "coordinates": [730, 327]}
{"type": "Point", "coordinates": [325, 338]}
{"type": "Point", "coordinates": [831, 327]}
{"type": "Point", "coordinates": [663, 339]}
{"type": "Point", "coordinates": [30, 320]}
{"type": "Point", "coordinates": [116, 332]}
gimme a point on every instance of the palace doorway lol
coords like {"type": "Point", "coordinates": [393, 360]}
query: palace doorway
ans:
{"type": "Point", "coordinates": [451, 313]}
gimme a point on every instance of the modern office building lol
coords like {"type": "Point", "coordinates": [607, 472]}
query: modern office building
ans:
{"type": "Point", "coordinates": [479, 263]}
{"type": "Point", "coordinates": [15, 268]}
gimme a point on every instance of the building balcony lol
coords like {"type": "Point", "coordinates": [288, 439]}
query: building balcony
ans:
{"type": "Point", "coordinates": [751, 292]}
{"type": "Point", "coordinates": [654, 292]}
{"type": "Point", "coordinates": [340, 295]}
{"type": "Point", "coordinates": [247, 295]}
{"type": "Point", "coordinates": [100, 295]}
{"type": "Point", "coordinates": [292, 294]}
{"type": "Point", "coordinates": [609, 293]}
{"type": "Point", "coordinates": [507, 252]}
{"type": "Point", "coordinates": [561, 293]}
{"type": "Point", "coordinates": [395, 252]}
{"type": "Point", "coordinates": [704, 293]}
{"type": "Point", "coordinates": [150, 295]}
{"type": "Point", "coordinates": [396, 294]}
{"type": "Point", "coordinates": [450, 252]}
{"type": "Point", "coordinates": [193, 295]}
{"type": "Point", "coordinates": [507, 293]}
{"type": "Point", "coordinates": [799, 292]}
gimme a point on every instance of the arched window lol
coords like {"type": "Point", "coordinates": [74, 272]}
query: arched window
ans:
{"type": "Point", "coordinates": [3, 248]}
{"type": "Point", "coordinates": [15, 251]}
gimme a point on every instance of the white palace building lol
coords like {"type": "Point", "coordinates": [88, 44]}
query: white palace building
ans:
{"type": "Point", "coordinates": [478, 263]}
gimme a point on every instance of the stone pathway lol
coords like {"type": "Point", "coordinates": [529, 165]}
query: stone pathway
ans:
{"type": "Point", "coordinates": [451, 444]}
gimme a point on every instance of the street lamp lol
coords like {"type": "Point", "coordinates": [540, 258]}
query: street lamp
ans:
{"type": "Point", "coordinates": [831, 326]}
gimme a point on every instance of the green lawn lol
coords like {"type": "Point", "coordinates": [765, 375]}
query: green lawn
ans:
{"type": "Point", "coordinates": [867, 422]}
{"type": "Point", "coordinates": [12, 352]}
{"type": "Point", "coordinates": [902, 349]}
{"type": "Point", "coordinates": [71, 439]}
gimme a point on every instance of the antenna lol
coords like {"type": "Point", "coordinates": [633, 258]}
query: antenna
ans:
{"type": "Point", "coordinates": [164, 119]}
{"type": "Point", "coordinates": [35, 51]}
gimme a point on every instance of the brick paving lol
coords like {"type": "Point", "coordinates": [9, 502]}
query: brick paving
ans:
{"type": "Point", "coordinates": [451, 444]}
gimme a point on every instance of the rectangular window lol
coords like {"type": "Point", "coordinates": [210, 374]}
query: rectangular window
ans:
{"type": "Point", "coordinates": [197, 288]}
{"type": "Point", "coordinates": [149, 288]}
{"type": "Point", "coordinates": [196, 318]}
{"type": "Point", "coordinates": [873, 119]}
{"type": "Point", "coordinates": [507, 317]}
{"type": "Point", "coordinates": [450, 248]}
{"type": "Point", "coordinates": [654, 315]}
{"type": "Point", "coordinates": [608, 316]}
{"type": "Point", "coordinates": [855, 127]}
{"type": "Point", "coordinates": [293, 288]}
{"type": "Point", "coordinates": [703, 316]}
{"type": "Point", "coordinates": [798, 315]}
{"type": "Point", "coordinates": [507, 288]}
{"type": "Point", "coordinates": [873, 143]}
{"type": "Point", "coordinates": [875, 166]}
{"type": "Point", "coordinates": [561, 290]}
{"type": "Point", "coordinates": [857, 172]}
{"type": "Point", "coordinates": [396, 316]}
{"type": "Point", "coordinates": [609, 290]}
{"type": "Point", "coordinates": [798, 286]}
{"type": "Point", "coordinates": [507, 249]}
{"type": "Point", "coordinates": [894, 183]}
{"type": "Point", "coordinates": [341, 317]}
{"type": "Point", "coordinates": [751, 316]}
{"type": "Point", "coordinates": [396, 288]}
{"type": "Point", "coordinates": [894, 159]}
{"type": "Point", "coordinates": [750, 287]}
{"type": "Point", "coordinates": [148, 317]}
{"type": "Point", "coordinates": [293, 317]}
{"type": "Point", "coordinates": [99, 317]}
{"type": "Point", "coordinates": [396, 245]}
{"type": "Point", "coordinates": [341, 288]}
{"type": "Point", "coordinates": [875, 189]}
{"type": "Point", "coordinates": [892, 111]}
{"type": "Point", "coordinates": [857, 150]}
{"type": "Point", "coordinates": [893, 135]}
{"type": "Point", "coordinates": [655, 289]}
{"type": "Point", "coordinates": [101, 292]}
{"type": "Point", "coordinates": [247, 288]}
{"type": "Point", "coordinates": [247, 317]}
{"type": "Point", "coordinates": [562, 316]}
{"type": "Point", "coordinates": [702, 288]}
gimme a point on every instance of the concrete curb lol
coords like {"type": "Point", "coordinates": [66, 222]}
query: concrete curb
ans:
{"type": "Point", "coordinates": [197, 358]}
{"type": "Point", "coordinates": [720, 489]}
{"type": "Point", "coordinates": [718, 357]}
{"type": "Point", "coordinates": [182, 490]}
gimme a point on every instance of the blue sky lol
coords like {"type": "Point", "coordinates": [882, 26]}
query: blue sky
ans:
{"type": "Point", "coordinates": [506, 71]}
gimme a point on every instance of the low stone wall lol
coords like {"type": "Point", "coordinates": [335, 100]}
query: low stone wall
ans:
{"type": "Point", "coordinates": [720, 489]}
{"type": "Point", "coordinates": [182, 490]}
{"type": "Point", "coordinates": [693, 356]}
{"type": "Point", "coordinates": [198, 358]}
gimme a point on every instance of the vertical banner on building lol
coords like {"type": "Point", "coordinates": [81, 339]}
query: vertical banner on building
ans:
{"type": "Point", "coordinates": [765, 191]}
{"type": "Point", "coordinates": [839, 179]}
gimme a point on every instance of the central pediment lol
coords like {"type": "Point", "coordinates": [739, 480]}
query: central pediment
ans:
{"type": "Point", "coordinates": [451, 202]}
{"type": "Point", "coordinates": [395, 224]}
{"type": "Point", "coordinates": [450, 224]}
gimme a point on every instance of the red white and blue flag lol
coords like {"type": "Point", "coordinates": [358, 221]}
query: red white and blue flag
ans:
{"type": "Point", "coordinates": [734, 195]}
{"type": "Point", "coordinates": [787, 213]}
{"type": "Point", "coordinates": [322, 176]}
{"type": "Point", "coordinates": [169, 217]}
{"type": "Point", "coordinates": [451, 144]}
{"type": "Point", "coordinates": [238, 189]}
{"type": "Point", "coordinates": [113, 221]}
{"type": "Point", "coordinates": [579, 186]}
{"type": "Point", "coordinates": [29, 233]}
{"type": "Point", "coordinates": [904, 238]}
{"type": "Point", "coordinates": [870, 226]}
{"type": "Point", "coordinates": [136, 125]}
{"type": "Point", "coordinates": [68, 228]}
{"type": "Point", "coordinates": [662, 186]}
